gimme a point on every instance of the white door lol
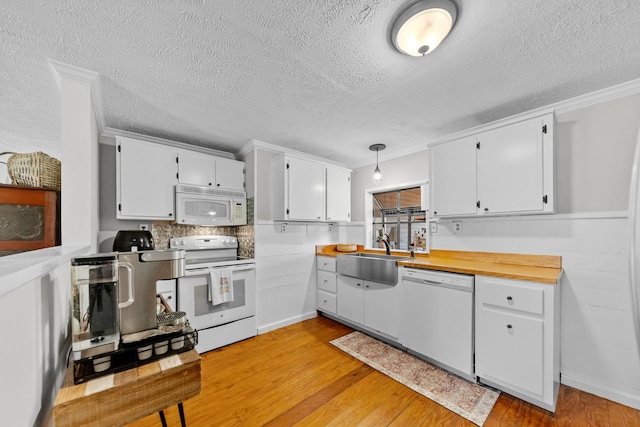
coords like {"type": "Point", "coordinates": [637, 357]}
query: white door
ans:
{"type": "Point", "coordinates": [350, 303]}
{"type": "Point", "coordinates": [338, 194]}
{"type": "Point", "coordinates": [510, 169]}
{"type": "Point", "coordinates": [229, 174]}
{"type": "Point", "coordinates": [146, 180]}
{"type": "Point", "coordinates": [381, 308]}
{"type": "Point", "coordinates": [453, 178]}
{"type": "Point", "coordinates": [196, 168]}
{"type": "Point", "coordinates": [306, 190]}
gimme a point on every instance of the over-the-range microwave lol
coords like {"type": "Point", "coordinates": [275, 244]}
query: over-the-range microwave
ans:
{"type": "Point", "coordinates": [202, 205]}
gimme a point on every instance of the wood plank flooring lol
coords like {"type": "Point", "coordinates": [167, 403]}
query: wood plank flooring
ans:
{"type": "Point", "coordinates": [293, 376]}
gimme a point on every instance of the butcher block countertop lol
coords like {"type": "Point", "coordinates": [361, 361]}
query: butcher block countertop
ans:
{"type": "Point", "coordinates": [118, 399]}
{"type": "Point", "coordinates": [535, 268]}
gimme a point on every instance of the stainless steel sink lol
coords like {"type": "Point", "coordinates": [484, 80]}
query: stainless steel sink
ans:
{"type": "Point", "coordinates": [374, 267]}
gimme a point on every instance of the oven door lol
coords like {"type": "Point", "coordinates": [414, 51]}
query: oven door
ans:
{"type": "Point", "coordinates": [201, 313]}
{"type": "Point", "coordinates": [200, 209]}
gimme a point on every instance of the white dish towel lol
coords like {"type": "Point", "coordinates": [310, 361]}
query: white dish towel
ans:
{"type": "Point", "coordinates": [220, 286]}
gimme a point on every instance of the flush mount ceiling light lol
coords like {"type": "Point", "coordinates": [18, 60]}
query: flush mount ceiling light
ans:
{"type": "Point", "coordinates": [421, 28]}
{"type": "Point", "coordinates": [377, 175]}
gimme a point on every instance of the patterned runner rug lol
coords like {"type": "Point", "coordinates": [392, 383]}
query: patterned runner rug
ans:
{"type": "Point", "coordinates": [471, 401]}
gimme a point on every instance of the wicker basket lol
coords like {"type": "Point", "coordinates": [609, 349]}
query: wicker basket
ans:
{"type": "Point", "coordinates": [34, 170]}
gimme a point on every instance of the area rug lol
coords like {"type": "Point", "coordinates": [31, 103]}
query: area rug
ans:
{"type": "Point", "coordinates": [471, 401]}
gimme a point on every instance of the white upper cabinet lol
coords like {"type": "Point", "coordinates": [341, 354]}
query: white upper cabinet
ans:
{"type": "Point", "coordinates": [308, 190]}
{"type": "Point", "coordinates": [338, 194]}
{"type": "Point", "coordinates": [506, 170]}
{"type": "Point", "coordinates": [453, 170]}
{"type": "Point", "coordinates": [511, 168]}
{"type": "Point", "coordinates": [146, 175]}
{"type": "Point", "coordinates": [204, 169]}
{"type": "Point", "coordinates": [229, 174]}
{"type": "Point", "coordinates": [196, 168]}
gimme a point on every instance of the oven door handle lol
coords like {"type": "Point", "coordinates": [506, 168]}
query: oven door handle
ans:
{"type": "Point", "coordinates": [245, 268]}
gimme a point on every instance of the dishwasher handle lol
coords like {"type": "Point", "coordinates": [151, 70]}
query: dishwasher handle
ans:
{"type": "Point", "coordinates": [466, 287]}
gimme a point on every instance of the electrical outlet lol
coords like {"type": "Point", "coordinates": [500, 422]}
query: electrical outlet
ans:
{"type": "Point", "coordinates": [330, 228]}
{"type": "Point", "coordinates": [457, 226]}
{"type": "Point", "coordinates": [283, 227]}
{"type": "Point", "coordinates": [143, 227]}
{"type": "Point", "coordinates": [433, 227]}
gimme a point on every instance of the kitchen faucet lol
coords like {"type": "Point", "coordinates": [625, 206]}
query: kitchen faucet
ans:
{"type": "Point", "coordinates": [385, 239]}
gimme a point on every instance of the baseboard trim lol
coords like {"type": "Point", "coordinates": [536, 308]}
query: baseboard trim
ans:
{"type": "Point", "coordinates": [602, 391]}
{"type": "Point", "coordinates": [263, 329]}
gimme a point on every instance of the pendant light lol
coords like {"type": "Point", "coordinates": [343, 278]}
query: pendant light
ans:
{"type": "Point", "coordinates": [420, 29]}
{"type": "Point", "coordinates": [377, 175]}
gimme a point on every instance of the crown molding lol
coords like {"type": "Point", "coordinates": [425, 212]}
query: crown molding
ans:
{"type": "Point", "coordinates": [63, 71]}
{"type": "Point", "coordinates": [256, 144]}
{"type": "Point", "coordinates": [108, 135]}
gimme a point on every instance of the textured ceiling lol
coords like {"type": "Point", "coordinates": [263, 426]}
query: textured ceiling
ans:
{"type": "Point", "coordinates": [316, 76]}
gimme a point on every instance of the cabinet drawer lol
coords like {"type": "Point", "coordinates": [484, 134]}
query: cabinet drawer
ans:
{"type": "Point", "coordinates": [326, 263]}
{"type": "Point", "coordinates": [327, 281]}
{"type": "Point", "coordinates": [511, 296]}
{"type": "Point", "coordinates": [326, 302]}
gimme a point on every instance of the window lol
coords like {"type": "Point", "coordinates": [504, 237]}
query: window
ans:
{"type": "Point", "coordinates": [399, 214]}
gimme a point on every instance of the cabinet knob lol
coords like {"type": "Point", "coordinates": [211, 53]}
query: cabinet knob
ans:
{"type": "Point", "coordinates": [325, 301]}
{"type": "Point", "coordinates": [318, 217]}
{"type": "Point", "coordinates": [217, 185]}
{"type": "Point", "coordinates": [357, 284]}
{"type": "Point", "coordinates": [486, 209]}
{"type": "Point", "coordinates": [170, 214]}
{"type": "Point", "coordinates": [210, 183]}
{"type": "Point", "coordinates": [509, 327]}
{"type": "Point", "coordinates": [169, 297]}
{"type": "Point", "coordinates": [510, 299]}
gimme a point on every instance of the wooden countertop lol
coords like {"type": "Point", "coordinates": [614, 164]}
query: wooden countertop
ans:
{"type": "Point", "coordinates": [123, 397]}
{"type": "Point", "coordinates": [536, 268]}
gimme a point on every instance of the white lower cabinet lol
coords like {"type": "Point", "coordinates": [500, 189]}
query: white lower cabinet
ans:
{"type": "Point", "coordinates": [370, 304]}
{"type": "Point", "coordinates": [326, 284]}
{"type": "Point", "coordinates": [517, 338]}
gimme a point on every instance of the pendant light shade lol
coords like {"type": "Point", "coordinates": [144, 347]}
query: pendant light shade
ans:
{"type": "Point", "coordinates": [377, 175]}
{"type": "Point", "coordinates": [420, 29]}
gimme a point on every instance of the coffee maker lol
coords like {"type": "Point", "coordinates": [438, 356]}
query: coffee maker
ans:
{"type": "Point", "coordinates": [147, 268]}
{"type": "Point", "coordinates": [95, 304]}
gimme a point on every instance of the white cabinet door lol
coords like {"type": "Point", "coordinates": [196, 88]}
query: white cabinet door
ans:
{"type": "Point", "coordinates": [512, 350]}
{"type": "Point", "coordinates": [381, 308]}
{"type": "Point", "coordinates": [510, 168]}
{"type": "Point", "coordinates": [305, 190]}
{"type": "Point", "coordinates": [338, 194]}
{"type": "Point", "coordinates": [453, 178]}
{"type": "Point", "coordinates": [146, 176]}
{"type": "Point", "coordinates": [350, 304]}
{"type": "Point", "coordinates": [229, 174]}
{"type": "Point", "coordinates": [196, 168]}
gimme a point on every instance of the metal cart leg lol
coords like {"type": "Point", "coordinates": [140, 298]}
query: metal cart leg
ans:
{"type": "Point", "coordinates": [164, 421]}
{"type": "Point", "coordinates": [182, 420]}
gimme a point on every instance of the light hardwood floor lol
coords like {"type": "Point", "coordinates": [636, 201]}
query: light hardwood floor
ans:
{"type": "Point", "coordinates": [293, 376]}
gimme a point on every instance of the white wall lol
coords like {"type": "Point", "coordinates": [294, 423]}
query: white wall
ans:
{"type": "Point", "coordinates": [595, 147]}
{"type": "Point", "coordinates": [410, 168]}
{"type": "Point", "coordinates": [35, 344]}
{"type": "Point", "coordinates": [79, 135]}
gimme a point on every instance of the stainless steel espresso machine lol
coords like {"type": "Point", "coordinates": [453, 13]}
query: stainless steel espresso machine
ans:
{"type": "Point", "coordinates": [114, 302]}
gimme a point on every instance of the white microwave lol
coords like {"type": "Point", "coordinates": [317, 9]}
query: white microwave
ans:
{"type": "Point", "coordinates": [201, 205]}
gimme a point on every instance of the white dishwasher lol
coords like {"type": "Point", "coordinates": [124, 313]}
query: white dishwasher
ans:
{"type": "Point", "coordinates": [436, 318]}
